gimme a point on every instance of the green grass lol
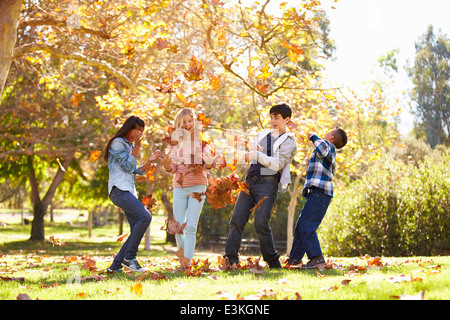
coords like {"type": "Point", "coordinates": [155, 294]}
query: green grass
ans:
{"type": "Point", "coordinates": [42, 271]}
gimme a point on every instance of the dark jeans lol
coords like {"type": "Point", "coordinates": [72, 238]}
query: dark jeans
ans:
{"type": "Point", "coordinates": [259, 187]}
{"type": "Point", "coordinates": [305, 237]}
{"type": "Point", "coordinates": [139, 219]}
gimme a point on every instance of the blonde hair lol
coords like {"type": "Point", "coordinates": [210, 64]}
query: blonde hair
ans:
{"type": "Point", "coordinates": [179, 118]}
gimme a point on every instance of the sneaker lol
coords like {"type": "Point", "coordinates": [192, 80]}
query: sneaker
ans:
{"type": "Point", "coordinates": [114, 267]}
{"type": "Point", "coordinates": [314, 262]}
{"type": "Point", "coordinates": [292, 263]}
{"type": "Point", "coordinates": [114, 270]}
{"type": "Point", "coordinates": [133, 265]}
{"type": "Point", "coordinates": [274, 264]}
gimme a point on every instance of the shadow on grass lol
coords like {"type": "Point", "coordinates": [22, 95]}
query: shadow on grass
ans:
{"type": "Point", "coordinates": [79, 248]}
{"type": "Point", "coordinates": [70, 248]}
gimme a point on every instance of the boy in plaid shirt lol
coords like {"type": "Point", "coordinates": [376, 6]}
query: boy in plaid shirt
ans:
{"type": "Point", "coordinates": [318, 190]}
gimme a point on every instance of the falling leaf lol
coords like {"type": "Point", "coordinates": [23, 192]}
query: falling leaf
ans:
{"type": "Point", "coordinates": [184, 101]}
{"type": "Point", "coordinates": [197, 195]}
{"type": "Point", "coordinates": [162, 44]}
{"type": "Point", "coordinates": [94, 155]}
{"type": "Point", "coordinates": [149, 201]}
{"type": "Point", "coordinates": [195, 70]}
{"type": "Point", "coordinates": [250, 70]}
{"type": "Point", "coordinates": [217, 2]}
{"type": "Point", "coordinates": [121, 237]}
{"type": "Point", "coordinates": [137, 289]}
{"type": "Point", "coordinates": [264, 73]}
{"type": "Point", "coordinates": [261, 87]}
{"type": "Point", "coordinates": [205, 121]}
{"type": "Point", "coordinates": [214, 81]}
{"type": "Point", "coordinates": [258, 205]}
{"type": "Point", "coordinates": [173, 227]}
{"type": "Point", "coordinates": [77, 98]}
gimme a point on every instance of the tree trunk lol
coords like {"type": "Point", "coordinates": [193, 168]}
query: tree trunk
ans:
{"type": "Point", "coordinates": [168, 206]}
{"type": "Point", "coordinates": [40, 206]}
{"type": "Point", "coordinates": [296, 191]}
{"type": "Point", "coordinates": [9, 16]}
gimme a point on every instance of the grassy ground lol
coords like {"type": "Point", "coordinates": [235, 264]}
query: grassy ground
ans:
{"type": "Point", "coordinates": [77, 271]}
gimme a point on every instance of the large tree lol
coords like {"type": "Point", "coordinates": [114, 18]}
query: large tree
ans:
{"type": "Point", "coordinates": [430, 75]}
{"type": "Point", "coordinates": [9, 15]}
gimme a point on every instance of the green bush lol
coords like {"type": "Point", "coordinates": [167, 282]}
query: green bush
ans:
{"type": "Point", "coordinates": [396, 209]}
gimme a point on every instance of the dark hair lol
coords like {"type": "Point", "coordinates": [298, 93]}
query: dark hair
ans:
{"type": "Point", "coordinates": [341, 140]}
{"type": "Point", "coordinates": [129, 124]}
{"type": "Point", "coordinates": [282, 109]}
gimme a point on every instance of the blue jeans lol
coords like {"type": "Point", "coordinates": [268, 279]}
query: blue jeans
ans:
{"type": "Point", "coordinates": [139, 219]}
{"type": "Point", "coordinates": [259, 187]}
{"type": "Point", "coordinates": [305, 237]}
{"type": "Point", "coordinates": [187, 209]}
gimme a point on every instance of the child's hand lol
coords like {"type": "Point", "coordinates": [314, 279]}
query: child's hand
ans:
{"type": "Point", "coordinates": [310, 134]}
{"type": "Point", "coordinates": [209, 160]}
{"type": "Point", "coordinates": [256, 147]}
{"type": "Point", "coordinates": [248, 156]}
{"type": "Point", "coordinates": [166, 161]}
{"type": "Point", "coordinates": [154, 156]}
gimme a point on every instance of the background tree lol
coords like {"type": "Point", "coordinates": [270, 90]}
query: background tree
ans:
{"type": "Point", "coordinates": [430, 75]}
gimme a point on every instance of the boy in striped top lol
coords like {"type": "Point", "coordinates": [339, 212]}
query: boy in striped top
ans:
{"type": "Point", "coordinates": [318, 190]}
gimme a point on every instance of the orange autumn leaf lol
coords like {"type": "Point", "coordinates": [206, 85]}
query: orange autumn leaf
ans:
{"type": "Point", "coordinates": [195, 70]}
{"type": "Point", "coordinates": [149, 201]}
{"type": "Point", "coordinates": [56, 241]}
{"type": "Point", "coordinates": [214, 81]}
{"type": "Point", "coordinates": [137, 289]}
{"type": "Point", "coordinates": [121, 237]}
{"type": "Point", "coordinates": [173, 227]}
{"type": "Point", "coordinates": [256, 207]}
{"type": "Point", "coordinates": [94, 155]}
{"type": "Point", "coordinates": [197, 195]}
{"type": "Point", "coordinates": [202, 117]}
{"type": "Point", "coordinates": [184, 101]}
{"type": "Point", "coordinates": [77, 98]}
{"type": "Point", "coordinates": [261, 87]}
{"type": "Point", "coordinates": [89, 264]}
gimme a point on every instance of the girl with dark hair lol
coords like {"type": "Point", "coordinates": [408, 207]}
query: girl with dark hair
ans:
{"type": "Point", "coordinates": [121, 153]}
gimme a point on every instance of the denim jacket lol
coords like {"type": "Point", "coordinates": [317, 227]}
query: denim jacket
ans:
{"type": "Point", "coordinates": [122, 166]}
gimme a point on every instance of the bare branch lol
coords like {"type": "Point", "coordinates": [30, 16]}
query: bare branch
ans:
{"type": "Point", "coordinates": [51, 21]}
{"type": "Point", "coordinates": [103, 65]}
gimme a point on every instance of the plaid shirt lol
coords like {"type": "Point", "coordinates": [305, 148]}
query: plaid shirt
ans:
{"type": "Point", "coordinates": [321, 167]}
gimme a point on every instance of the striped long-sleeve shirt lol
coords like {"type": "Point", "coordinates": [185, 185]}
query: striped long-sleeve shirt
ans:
{"type": "Point", "coordinates": [321, 167]}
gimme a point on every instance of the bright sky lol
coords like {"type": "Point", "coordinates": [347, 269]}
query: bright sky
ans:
{"type": "Point", "coordinates": [365, 29]}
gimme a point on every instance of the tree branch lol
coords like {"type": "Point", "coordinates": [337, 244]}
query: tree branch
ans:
{"type": "Point", "coordinates": [19, 51]}
{"type": "Point", "coordinates": [51, 21]}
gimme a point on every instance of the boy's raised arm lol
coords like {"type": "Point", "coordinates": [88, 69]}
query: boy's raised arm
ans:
{"type": "Point", "coordinates": [322, 147]}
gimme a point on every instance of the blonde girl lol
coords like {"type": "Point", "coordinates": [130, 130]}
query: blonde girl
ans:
{"type": "Point", "coordinates": [188, 161]}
